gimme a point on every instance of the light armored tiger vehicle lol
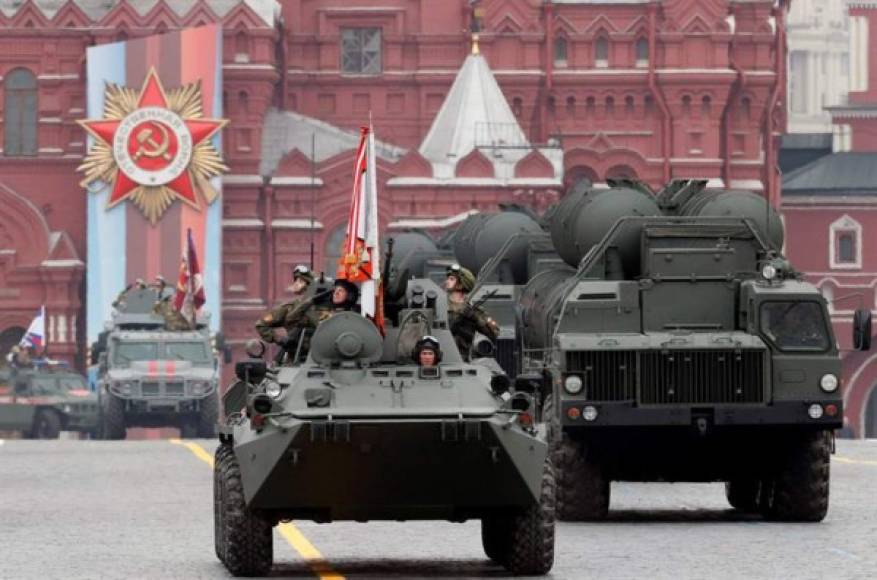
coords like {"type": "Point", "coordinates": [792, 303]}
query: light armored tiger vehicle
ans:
{"type": "Point", "coordinates": [151, 376]}
{"type": "Point", "coordinates": [360, 432]}
{"type": "Point", "coordinates": [42, 401]}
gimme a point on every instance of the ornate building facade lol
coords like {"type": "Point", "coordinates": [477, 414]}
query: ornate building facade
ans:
{"type": "Point", "coordinates": [563, 90]}
{"type": "Point", "coordinates": [830, 206]}
{"type": "Point", "coordinates": [819, 63]}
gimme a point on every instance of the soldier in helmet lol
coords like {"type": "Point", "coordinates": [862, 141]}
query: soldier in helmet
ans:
{"type": "Point", "coordinates": [308, 314]}
{"type": "Point", "coordinates": [427, 352]}
{"type": "Point", "coordinates": [302, 278]}
{"type": "Point", "coordinates": [139, 284]}
{"type": "Point", "coordinates": [464, 318]}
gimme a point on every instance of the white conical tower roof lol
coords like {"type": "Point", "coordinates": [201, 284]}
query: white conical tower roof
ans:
{"type": "Point", "coordinates": [474, 112]}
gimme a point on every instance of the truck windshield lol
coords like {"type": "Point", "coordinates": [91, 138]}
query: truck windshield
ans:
{"type": "Point", "coordinates": [795, 326]}
{"type": "Point", "coordinates": [125, 352]}
{"type": "Point", "coordinates": [195, 352]}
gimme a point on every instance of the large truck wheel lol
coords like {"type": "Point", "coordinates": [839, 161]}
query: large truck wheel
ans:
{"type": "Point", "coordinates": [247, 539]}
{"type": "Point", "coordinates": [495, 531]}
{"type": "Point", "coordinates": [742, 494]}
{"type": "Point", "coordinates": [46, 425]}
{"type": "Point", "coordinates": [208, 416]}
{"type": "Point", "coordinates": [583, 489]}
{"type": "Point", "coordinates": [800, 486]}
{"type": "Point", "coordinates": [531, 532]}
{"type": "Point", "coordinates": [113, 420]}
{"type": "Point", "coordinates": [223, 452]}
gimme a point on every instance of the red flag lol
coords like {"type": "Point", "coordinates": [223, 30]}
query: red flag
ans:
{"type": "Point", "coordinates": [361, 254]}
{"type": "Point", "coordinates": [190, 286]}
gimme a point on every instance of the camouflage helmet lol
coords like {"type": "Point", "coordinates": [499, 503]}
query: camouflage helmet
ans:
{"type": "Point", "coordinates": [464, 276]}
{"type": "Point", "coordinates": [303, 272]}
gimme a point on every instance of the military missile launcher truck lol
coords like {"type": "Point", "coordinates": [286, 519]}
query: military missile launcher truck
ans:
{"type": "Point", "coordinates": [150, 376]}
{"type": "Point", "coordinates": [360, 432]}
{"type": "Point", "coordinates": [677, 344]}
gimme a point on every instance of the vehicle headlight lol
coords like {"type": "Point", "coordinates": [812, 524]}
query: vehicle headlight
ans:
{"type": "Point", "coordinates": [199, 387]}
{"type": "Point", "coordinates": [273, 390]}
{"type": "Point", "coordinates": [815, 411]}
{"type": "Point", "coordinates": [769, 272]}
{"type": "Point", "coordinates": [68, 409]}
{"type": "Point", "coordinates": [573, 385]}
{"type": "Point", "coordinates": [125, 388]}
{"type": "Point", "coordinates": [828, 383]}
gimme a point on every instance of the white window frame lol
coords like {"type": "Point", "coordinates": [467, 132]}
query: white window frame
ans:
{"type": "Point", "coordinates": [845, 224]}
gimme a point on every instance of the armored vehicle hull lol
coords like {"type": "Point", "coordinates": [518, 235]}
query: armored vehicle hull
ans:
{"type": "Point", "coordinates": [360, 433]}
{"type": "Point", "coordinates": [153, 373]}
{"type": "Point", "coordinates": [703, 357]}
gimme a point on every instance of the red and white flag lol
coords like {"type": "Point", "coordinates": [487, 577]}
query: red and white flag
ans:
{"type": "Point", "coordinates": [361, 256]}
{"type": "Point", "coordinates": [190, 286]}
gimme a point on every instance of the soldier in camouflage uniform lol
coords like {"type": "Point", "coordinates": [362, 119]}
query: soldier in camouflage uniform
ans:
{"type": "Point", "coordinates": [466, 319]}
{"type": "Point", "coordinates": [278, 317]}
{"type": "Point", "coordinates": [173, 319]}
{"type": "Point", "coordinates": [307, 315]}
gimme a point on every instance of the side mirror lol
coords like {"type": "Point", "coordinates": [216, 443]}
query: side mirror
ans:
{"type": "Point", "coordinates": [862, 330]}
{"type": "Point", "coordinates": [251, 371]}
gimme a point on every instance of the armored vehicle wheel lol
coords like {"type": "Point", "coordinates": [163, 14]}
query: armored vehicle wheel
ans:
{"type": "Point", "coordinates": [223, 452]}
{"type": "Point", "coordinates": [742, 494]}
{"type": "Point", "coordinates": [208, 416]}
{"type": "Point", "coordinates": [800, 487]}
{"type": "Point", "coordinates": [495, 538]}
{"type": "Point", "coordinates": [46, 425]}
{"type": "Point", "coordinates": [530, 548]}
{"type": "Point", "coordinates": [247, 539]}
{"type": "Point", "coordinates": [113, 419]}
{"type": "Point", "coordinates": [583, 490]}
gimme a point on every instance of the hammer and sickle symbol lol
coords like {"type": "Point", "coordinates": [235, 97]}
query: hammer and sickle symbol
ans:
{"type": "Point", "coordinates": [155, 149]}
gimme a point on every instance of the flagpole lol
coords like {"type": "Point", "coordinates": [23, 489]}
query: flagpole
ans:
{"type": "Point", "coordinates": [313, 193]}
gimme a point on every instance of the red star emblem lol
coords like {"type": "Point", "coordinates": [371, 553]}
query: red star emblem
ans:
{"type": "Point", "coordinates": [153, 145]}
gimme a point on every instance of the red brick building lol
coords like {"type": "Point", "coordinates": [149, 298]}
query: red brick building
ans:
{"type": "Point", "coordinates": [830, 205]}
{"type": "Point", "coordinates": [589, 90]}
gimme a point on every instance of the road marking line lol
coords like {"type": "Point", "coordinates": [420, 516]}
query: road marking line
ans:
{"type": "Point", "coordinates": [314, 559]}
{"type": "Point", "coordinates": [854, 461]}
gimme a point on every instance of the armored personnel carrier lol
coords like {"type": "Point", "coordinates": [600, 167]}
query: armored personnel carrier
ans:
{"type": "Point", "coordinates": [151, 376]}
{"type": "Point", "coordinates": [46, 399]}
{"type": "Point", "coordinates": [360, 432]}
{"type": "Point", "coordinates": [677, 344]}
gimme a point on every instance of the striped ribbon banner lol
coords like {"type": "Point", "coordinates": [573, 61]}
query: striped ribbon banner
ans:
{"type": "Point", "coordinates": [122, 243]}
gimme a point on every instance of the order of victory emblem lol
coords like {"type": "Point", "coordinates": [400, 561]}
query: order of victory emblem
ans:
{"type": "Point", "coordinates": [153, 147]}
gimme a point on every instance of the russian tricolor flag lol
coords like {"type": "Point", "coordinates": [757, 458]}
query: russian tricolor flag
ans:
{"type": "Point", "coordinates": [35, 337]}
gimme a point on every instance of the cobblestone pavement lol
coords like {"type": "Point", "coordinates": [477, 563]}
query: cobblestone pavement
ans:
{"type": "Point", "coordinates": [142, 510]}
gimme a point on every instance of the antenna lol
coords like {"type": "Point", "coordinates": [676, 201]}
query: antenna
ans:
{"type": "Point", "coordinates": [313, 192]}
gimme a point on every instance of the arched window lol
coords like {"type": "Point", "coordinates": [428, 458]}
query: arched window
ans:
{"type": "Point", "coordinates": [706, 106]}
{"type": "Point", "coordinates": [20, 118]}
{"type": "Point", "coordinates": [244, 101]}
{"type": "Point", "coordinates": [610, 105]}
{"type": "Point", "coordinates": [571, 106]}
{"type": "Point", "coordinates": [686, 105]}
{"type": "Point", "coordinates": [642, 53]}
{"type": "Point", "coordinates": [628, 105]}
{"type": "Point", "coordinates": [845, 244]}
{"type": "Point", "coordinates": [560, 51]}
{"type": "Point", "coordinates": [649, 105]}
{"type": "Point", "coordinates": [332, 250]}
{"type": "Point", "coordinates": [746, 108]}
{"type": "Point", "coordinates": [551, 105]}
{"type": "Point", "coordinates": [590, 104]}
{"type": "Point", "coordinates": [241, 47]}
{"type": "Point", "coordinates": [601, 52]}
